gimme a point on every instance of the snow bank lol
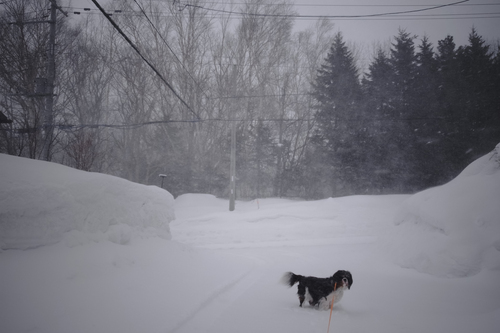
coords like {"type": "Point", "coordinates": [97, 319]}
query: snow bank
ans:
{"type": "Point", "coordinates": [43, 203]}
{"type": "Point", "coordinates": [453, 230]}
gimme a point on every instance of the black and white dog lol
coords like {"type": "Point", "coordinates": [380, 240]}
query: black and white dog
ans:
{"type": "Point", "coordinates": [319, 291]}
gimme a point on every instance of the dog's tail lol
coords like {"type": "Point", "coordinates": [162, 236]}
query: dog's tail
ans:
{"type": "Point", "coordinates": [290, 279]}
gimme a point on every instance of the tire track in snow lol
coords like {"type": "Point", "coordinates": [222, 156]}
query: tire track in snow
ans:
{"type": "Point", "coordinates": [291, 243]}
{"type": "Point", "coordinates": [202, 316]}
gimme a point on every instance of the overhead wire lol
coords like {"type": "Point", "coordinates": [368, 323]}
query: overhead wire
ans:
{"type": "Point", "coordinates": [346, 4]}
{"type": "Point", "coordinates": [168, 46]}
{"type": "Point", "coordinates": [385, 16]}
{"type": "Point", "coordinates": [416, 17]}
{"type": "Point", "coordinates": [394, 15]}
{"type": "Point", "coordinates": [125, 126]}
{"type": "Point", "coordinates": [327, 16]}
{"type": "Point", "coordinates": [120, 31]}
{"type": "Point", "coordinates": [72, 127]}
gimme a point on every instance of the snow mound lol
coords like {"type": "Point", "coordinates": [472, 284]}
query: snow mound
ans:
{"type": "Point", "coordinates": [200, 199]}
{"type": "Point", "coordinates": [453, 230]}
{"type": "Point", "coordinates": [43, 203]}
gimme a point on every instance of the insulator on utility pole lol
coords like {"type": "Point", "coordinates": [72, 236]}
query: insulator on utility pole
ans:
{"type": "Point", "coordinates": [40, 86]}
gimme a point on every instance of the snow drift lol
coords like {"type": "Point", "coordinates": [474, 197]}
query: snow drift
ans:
{"type": "Point", "coordinates": [220, 271]}
{"type": "Point", "coordinates": [453, 230]}
{"type": "Point", "coordinates": [43, 203]}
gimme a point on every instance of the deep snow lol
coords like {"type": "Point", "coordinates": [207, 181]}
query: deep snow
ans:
{"type": "Point", "coordinates": [452, 230]}
{"type": "Point", "coordinates": [43, 202]}
{"type": "Point", "coordinates": [422, 263]}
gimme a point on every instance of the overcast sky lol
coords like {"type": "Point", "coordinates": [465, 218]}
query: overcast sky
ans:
{"type": "Point", "coordinates": [456, 20]}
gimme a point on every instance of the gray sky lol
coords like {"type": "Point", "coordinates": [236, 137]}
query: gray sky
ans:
{"type": "Point", "coordinates": [456, 20]}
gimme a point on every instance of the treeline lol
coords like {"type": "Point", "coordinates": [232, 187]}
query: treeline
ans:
{"type": "Point", "coordinates": [308, 122]}
{"type": "Point", "coordinates": [416, 118]}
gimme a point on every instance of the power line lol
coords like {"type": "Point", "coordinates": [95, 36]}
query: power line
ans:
{"type": "Point", "coordinates": [416, 17]}
{"type": "Point", "coordinates": [113, 23]}
{"type": "Point", "coordinates": [260, 96]}
{"type": "Point", "coordinates": [327, 16]}
{"type": "Point", "coordinates": [378, 5]}
{"type": "Point", "coordinates": [332, 5]}
{"type": "Point", "coordinates": [77, 11]}
{"type": "Point", "coordinates": [168, 46]}
{"type": "Point", "coordinates": [72, 127]}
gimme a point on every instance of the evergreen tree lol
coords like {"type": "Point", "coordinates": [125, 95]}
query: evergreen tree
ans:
{"type": "Point", "coordinates": [495, 116]}
{"type": "Point", "coordinates": [426, 82]}
{"type": "Point", "coordinates": [428, 121]}
{"type": "Point", "coordinates": [442, 107]}
{"type": "Point", "coordinates": [337, 91]}
{"type": "Point", "coordinates": [479, 108]}
{"type": "Point", "coordinates": [402, 130]}
{"type": "Point", "coordinates": [449, 81]}
{"type": "Point", "coordinates": [449, 98]}
{"type": "Point", "coordinates": [377, 87]}
{"type": "Point", "coordinates": [404, 66]}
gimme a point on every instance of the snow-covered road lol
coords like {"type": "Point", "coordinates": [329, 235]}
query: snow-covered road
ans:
{"type": "Point", "coordinates": [220, 273]}
{"type": "Point", "coordinates": [317, 238]}
{"type": "Point", "coordinates": [99, 256]}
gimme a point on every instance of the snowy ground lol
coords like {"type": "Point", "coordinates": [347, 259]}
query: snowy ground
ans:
{"type": "Point", "coordinates": [220, 271]}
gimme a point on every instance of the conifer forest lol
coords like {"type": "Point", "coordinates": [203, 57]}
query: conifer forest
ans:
{"type": "Point", "coordinates": [310, 119]}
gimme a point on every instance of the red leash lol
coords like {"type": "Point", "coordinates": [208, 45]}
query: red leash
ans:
{"type": "Point", "coordinates": [331, 308]}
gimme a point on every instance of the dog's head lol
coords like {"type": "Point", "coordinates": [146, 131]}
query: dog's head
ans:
{"type": "Point", "coordinates": [342, 279]}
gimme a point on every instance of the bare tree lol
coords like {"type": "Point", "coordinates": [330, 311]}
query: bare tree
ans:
{"type": "Point", "coordinates": [23, 47]}
{"type": "Point", "coordinates": [307, 51]}
{"type": "Point", "coordinates": [87, 77]}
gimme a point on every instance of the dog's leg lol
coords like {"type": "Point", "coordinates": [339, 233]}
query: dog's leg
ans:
{"type": "Point", "coordinates": [301, 292]}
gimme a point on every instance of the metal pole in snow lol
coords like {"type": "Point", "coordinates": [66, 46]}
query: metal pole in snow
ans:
{"type": "Point", "coordinates": [162, 177]}
{"type": "Point", "coordinates": [232, 169]}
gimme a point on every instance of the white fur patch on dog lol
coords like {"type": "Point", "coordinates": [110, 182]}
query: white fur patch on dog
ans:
{"type": "Point", "coordinates": [336, 295]}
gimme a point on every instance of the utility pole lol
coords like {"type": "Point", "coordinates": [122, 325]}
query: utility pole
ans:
{"type": "Point", "coordinates": [232, 169]}
{"type": "Point", "coordinates": [44, 87]}
{"type": "Point", "coordinates": [48, 120]}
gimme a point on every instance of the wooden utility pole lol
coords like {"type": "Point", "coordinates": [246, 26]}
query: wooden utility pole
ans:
{"type": "Point", "coordinates": [48, 120]}
{"type": "Point", "coordinates": [48, 90]}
